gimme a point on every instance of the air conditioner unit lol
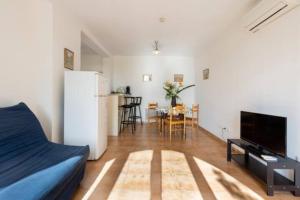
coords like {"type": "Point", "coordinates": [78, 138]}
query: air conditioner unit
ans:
{"type": "Point", "coordinates": [268, 11]}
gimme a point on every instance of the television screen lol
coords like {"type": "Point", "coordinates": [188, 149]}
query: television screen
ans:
{"type": "Point", "coordinates": [266, 131]}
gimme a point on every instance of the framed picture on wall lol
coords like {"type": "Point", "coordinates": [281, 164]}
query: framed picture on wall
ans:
{"type": "Point", "coordinates": [68, 59]}
{"type": "Point", "coordinates": [206, 74]}
{"type": "Point", "coordinates": [147, 77]}
{"type": "Point", "coordinates": [178, 78]}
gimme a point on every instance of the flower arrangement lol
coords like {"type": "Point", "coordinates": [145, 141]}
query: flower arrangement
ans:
{"type": "Point", "coordinates": [173, 90]}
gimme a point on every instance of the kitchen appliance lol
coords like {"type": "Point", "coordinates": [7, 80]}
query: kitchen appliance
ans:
{"type": "Point", "coordinates": [128, 92]}
{"type": "Point", "coordinates": [85, 111]}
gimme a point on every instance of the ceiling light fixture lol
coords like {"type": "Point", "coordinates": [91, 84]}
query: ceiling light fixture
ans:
{"type": "Point", "coordinates": [156, 51]}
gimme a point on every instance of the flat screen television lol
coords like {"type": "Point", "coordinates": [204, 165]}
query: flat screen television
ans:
{"type": "Point", "coordinates": [265, 131]}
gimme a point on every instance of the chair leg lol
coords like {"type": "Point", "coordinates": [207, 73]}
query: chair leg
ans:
{"type": "Point", "coordinates": [141, 115]}
{"type": "Point", "coordinates": [170, 132]}
{"type": "Point", "coordinates": [126, 116]}
{"type": "Point", "coordinates": [132, 120]}
{"type": "Point", "coordinates": [160, 129]}
{"type": "Point", "coordinates": [149, 116]}
{"type": "Point", "coordinates": [132, 128]}
{"type": "Point", "coordinates": [163, 128]}
{"type": "Point", "coordinates": [184, 131]}
{"type": "Point", "coordinates": [160, 124]}
{"type": "Point", "coordinates": [134, 117]}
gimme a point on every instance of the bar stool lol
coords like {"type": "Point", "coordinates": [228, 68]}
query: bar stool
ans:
{"type": "Point", "coordinates": [137, 104]}
{"type": "Point", "coordinates": [127, 112]}
{"type": "Point", "coordinates": [137, 101]}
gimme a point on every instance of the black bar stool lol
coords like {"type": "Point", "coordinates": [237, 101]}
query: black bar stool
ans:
{"type": "Point", "coordinates": [127, 112]}
{"type": "Point", "coordinates": [137, 104]}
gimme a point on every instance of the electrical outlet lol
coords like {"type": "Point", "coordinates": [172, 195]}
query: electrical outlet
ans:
{"type": "Point", "coordinates": [224, 132]}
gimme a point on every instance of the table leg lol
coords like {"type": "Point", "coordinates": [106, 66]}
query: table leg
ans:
{"type": "Point", "coordinates": [161, 122]}
{"type": "Point", "coordinates": [270, 181]}
{"type": "Point", "coordinates": [246, 156]}
{"type": "Point", "coordinates": [297, 181]}
{"type": "Point", "coordinates": [229, 144]}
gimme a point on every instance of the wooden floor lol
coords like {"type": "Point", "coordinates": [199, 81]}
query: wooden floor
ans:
{"type": "Point", "coordinates": [200, 144]}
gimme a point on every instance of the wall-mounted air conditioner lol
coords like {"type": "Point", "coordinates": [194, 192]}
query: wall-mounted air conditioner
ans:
{"type": "Point", "coordinates": [268, 11]}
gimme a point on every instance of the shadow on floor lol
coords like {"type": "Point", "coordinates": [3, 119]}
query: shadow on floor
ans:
{"type": "Point", "coordinates": [232, 187]}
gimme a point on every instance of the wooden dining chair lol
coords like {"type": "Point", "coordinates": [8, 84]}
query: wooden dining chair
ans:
{"type": "Point", "coordinates": [151, 112]}
{"type": "Point", "coordinates": [179, 104]}
{"type": "Point", "coordinates": [193, 118]}
{"type": "Point", "coordinates": [175, 121]}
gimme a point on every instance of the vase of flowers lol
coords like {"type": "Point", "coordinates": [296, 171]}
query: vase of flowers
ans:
{"type": "Point", "coordinates": [173, 102]}
{"type": "Point", "coordinates": [173, 90]}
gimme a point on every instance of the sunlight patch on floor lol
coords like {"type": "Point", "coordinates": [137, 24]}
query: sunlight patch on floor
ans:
{"type": "Point", "coordinates": [223, 185]}
{"type": "Point", "coordinates": [134, 180]}
{"type": "Point", "coordinates": [177, 179]}
{"type": "Point", "coordinates": [98, 179]}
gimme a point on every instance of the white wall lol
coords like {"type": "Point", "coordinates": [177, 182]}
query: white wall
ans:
{"type": "Point", "coordinates": [91, 62]}
{"type": "Point", "coordinates": [129, 71]}
{"type": "Point", "coordinates": [67, 34]}
{"type": "Point", "coordinates": [26, 56]}
{"type": "Point", "coordinates": [254, 72]}
{"type": "Point", "coordinates": [34, 34]}
{"type": "Point", "coordinates": [107, 67]}
{"type": "Point", "coordinates": [68, 31]}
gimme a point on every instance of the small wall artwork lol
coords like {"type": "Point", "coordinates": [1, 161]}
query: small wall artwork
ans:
{"type": "Point", "coordinates": [147, 77]}
{"type": "Point", "coordinates": [178, 78]}
{"type": "Point", "coordinates": [68, 59]}
{"type": "Point", "coordinates": [206, 74]}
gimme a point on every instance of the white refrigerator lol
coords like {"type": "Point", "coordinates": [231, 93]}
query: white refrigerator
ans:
{"type": "Point", "coordinates": [85, 111]}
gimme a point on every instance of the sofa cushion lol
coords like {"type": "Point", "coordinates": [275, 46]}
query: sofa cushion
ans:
{"type": "Point", "coordinates": [44, 156]}
{"type": "Point", "coordinates": [24, 148]}
{"type": "Point", "coordinates": [19, 126]}
{"type": "Point", "coordinates": [38, 185]}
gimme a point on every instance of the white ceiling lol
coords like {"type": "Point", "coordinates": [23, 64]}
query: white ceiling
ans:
{"type": "Point", "coordinates": [129, 27]}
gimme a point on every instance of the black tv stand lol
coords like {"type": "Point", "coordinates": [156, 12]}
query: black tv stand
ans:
{"type": "Point", "coordinates": [257, 151]}
{"type": "Point", "coordinates": [274, 181]}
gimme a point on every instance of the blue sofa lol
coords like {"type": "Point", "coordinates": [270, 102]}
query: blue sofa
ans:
{"type": "Point", "coordinates": [31, 167]}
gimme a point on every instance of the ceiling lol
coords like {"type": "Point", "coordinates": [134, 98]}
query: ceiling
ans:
{"type": "Point", "coordinates": [129, 27]}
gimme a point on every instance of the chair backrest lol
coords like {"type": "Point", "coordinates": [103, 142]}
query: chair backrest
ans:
{"type": "Point", "coordinates": [195, 110]}
{"type": "Point", "coordinates": [181, 109]}
{"type": "Point", "coordinates": [179, 104]}
{"type": "Point", "coordinates": [129, 100]}
{"type": "Point", "coordinates": [19, 128]}
{"type": "Point", "coordinates": [178, 112]}
{"type": "Point", "coordinates": [138, 100]}
{"type": "Point", "coordinates": [152, 105]}
{"type": "Point", "coordinates": [195, 107]}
